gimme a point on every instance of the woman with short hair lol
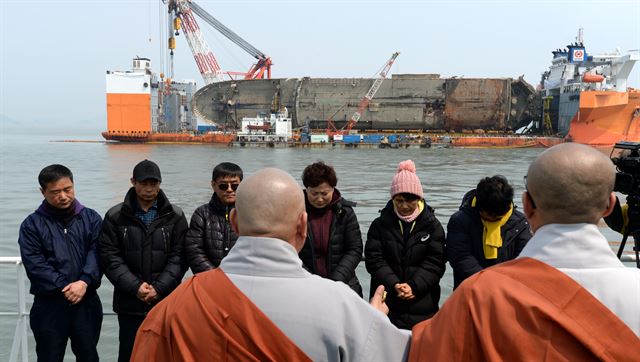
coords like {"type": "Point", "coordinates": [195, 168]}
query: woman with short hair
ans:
{"type": "Point", "coordinates": [333, 247]}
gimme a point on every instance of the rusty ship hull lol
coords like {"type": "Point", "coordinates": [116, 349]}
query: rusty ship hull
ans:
{"type": "Point", "coordinates": [153, 137]}
{"type": "Point", "coordinates": [405, 102]}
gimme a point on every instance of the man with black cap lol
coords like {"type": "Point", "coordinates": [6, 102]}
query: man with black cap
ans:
{"type": "Point", "coordinates": [141, 251]}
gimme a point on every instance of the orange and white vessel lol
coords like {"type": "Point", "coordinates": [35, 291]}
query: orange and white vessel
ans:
{"type": "Point", "coordinates": [587, 99]}
{"type": "Point", "coordinates": [142, 107]}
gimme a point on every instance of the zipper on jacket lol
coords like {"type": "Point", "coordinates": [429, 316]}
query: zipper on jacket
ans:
{"type": "Point", "coordinates": [313, 248]}
{"type": "Point", "coordinates": [227, 241]}
{"type": "Point", "coordinates": [227, 235]}
{"type": "Point", "coordinates": [332, 227]}
{"type": "Point", "coordinates": [164, 239]}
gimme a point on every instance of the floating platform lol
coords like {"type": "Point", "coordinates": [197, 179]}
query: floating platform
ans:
{"type": "Point", "coordinates": [459, 141]}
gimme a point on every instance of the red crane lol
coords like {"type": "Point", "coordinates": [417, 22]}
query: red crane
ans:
{"type": "Point", "coordinates": [331, 128]}
{"type": "Point", "coordinates": [206, 61]}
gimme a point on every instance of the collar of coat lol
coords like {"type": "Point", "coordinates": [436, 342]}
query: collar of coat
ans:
{"type": "Point", "coordinates": [128, 206]}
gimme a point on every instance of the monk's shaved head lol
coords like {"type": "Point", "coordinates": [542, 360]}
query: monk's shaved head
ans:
{"type": "Point", "coordinates": [571, 183]}
{"type": "Point", "coordinates": [269, 203]}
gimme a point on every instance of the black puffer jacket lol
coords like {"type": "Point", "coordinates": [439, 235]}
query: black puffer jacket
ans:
{"type": "Point", "coordinates": [464, 240]}
{"type": "Point", "coordinates": [210, 237]}
{"type": "Point", "coordinates": [131, 253]}
{"type": "Point", "coordinates": [415, 257]}
{"type": "Point", "coordinates": [345, 246]}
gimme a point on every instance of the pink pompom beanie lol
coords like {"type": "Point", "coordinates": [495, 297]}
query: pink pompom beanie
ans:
{"type": "Point", "coordinates": [406, 180]}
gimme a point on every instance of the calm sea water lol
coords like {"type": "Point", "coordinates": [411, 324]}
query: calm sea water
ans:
{"type": "Point", "coordinates": [102, 173]}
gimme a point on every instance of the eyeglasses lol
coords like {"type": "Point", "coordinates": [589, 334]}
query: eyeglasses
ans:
{"type": "Point", "coordinates": [225, 186]}
{"type": "Point", "coordinates": [533, 204]}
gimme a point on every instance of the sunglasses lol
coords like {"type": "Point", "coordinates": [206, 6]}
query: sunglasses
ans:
{"type": "Point", "coordinates": [226, 186]}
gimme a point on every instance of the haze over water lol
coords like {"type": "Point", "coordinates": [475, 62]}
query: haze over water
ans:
{"type": "Point", "coordinates": [102, 172]}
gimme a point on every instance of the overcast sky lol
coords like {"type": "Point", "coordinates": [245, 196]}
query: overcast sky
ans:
{"type": "Point", "coordinates": [54, 54]}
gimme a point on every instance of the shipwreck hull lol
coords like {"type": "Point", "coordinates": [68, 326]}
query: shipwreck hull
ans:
{"type": "Point", "coordinates": [151, 137]}
{"type": "Point", "coordinates": [403, 102]}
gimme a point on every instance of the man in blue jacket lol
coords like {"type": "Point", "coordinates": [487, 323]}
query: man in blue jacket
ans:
{"type": "Point", "coordinates": [58, 247]}
{"type": "Point", "coordinates": [487, 229]}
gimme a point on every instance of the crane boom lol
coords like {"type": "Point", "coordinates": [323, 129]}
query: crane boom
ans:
{"type": "Point", "coordinates": [226, 31]}
{"type": "Point", "coordinates": [205, 60]}
{"type": "Point", "coordinates": [371, 93]}
{"type": "Point", "coordinates": [263, 64]}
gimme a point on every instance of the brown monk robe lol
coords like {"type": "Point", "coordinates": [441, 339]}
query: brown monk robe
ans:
{"type": "Point", "coordinates": [523, 310]}
{"type": "Point", "coordinates": [200, 323]}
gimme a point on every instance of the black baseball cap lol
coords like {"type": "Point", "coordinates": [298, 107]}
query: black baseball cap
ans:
{"type": "Point", "coordinates": [146, 170]}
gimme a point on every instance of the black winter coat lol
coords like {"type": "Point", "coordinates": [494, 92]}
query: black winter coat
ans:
{"type": "Point", "coordinates": [415, 257]}
{"type": "Point", "coordinates": [210, 237]}
{"type": "Point", "coordinates": [132, 253]}
{"type": "Point", "coordinates": [345, 247]}
{"type": "Point", "coordinates": [464, 240]}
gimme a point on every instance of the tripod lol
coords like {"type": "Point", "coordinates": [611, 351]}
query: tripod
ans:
{"type": "Point", "coordinates": [633, 227]}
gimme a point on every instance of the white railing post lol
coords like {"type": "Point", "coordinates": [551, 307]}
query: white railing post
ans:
{"type": "Point", "coordinates": [24, 314]}
{"type": "Point", "coordinates": [19, 344]}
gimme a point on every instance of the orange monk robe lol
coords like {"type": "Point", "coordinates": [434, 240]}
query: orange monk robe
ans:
{"type": "Point", "coordinates": [207, 318]}
{"type": "Point", "coordinates": [523, 310]}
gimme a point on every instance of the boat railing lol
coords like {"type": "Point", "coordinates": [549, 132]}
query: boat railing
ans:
{"type": "Point", "coordinates": [19, 344]}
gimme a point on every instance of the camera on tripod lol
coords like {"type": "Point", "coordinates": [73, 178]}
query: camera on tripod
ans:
{"type": "Point", "coordinates": [626, 157]}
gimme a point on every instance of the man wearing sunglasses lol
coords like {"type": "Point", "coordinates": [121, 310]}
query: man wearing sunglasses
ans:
{"type": "Point", "coordinates": [210, 236]}
{"type": "Point", "coordinates": [261, 304]}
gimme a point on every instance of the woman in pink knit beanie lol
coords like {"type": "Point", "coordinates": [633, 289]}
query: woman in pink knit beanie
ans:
{"type": "Point", "coordinates": [405, 251]}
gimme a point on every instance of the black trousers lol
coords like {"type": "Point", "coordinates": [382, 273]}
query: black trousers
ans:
{"type": "Point", "coordinates": [129, 324]}
{"type": "Point", "coordinates": [54, 320]}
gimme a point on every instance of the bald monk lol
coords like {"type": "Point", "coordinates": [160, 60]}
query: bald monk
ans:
{"type": "Point", "coordinates": [566, 297]}
{"type": "Point", "coordinates": [261, 304]}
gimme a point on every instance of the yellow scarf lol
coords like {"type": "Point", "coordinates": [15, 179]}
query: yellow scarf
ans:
{"type": "Point", "coordinates": [491, 237]}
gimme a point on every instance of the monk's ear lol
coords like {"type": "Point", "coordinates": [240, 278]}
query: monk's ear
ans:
{"type": "Point", "coordinates": [527, 207]}
{"type": "Point", "coordinates": [612, 204]}
{"type": "Point", "coordinates": [301, 231]}
{"type": "Point", "coordinates": [233, 220]}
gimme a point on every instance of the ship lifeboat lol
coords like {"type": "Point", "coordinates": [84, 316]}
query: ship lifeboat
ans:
{"type": "Point", "coordinates": [592, 78]}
